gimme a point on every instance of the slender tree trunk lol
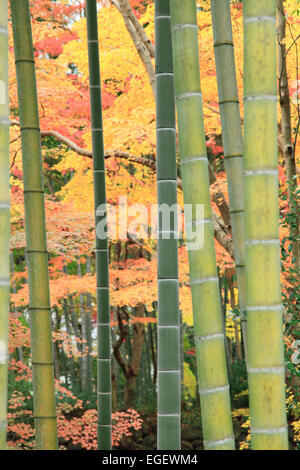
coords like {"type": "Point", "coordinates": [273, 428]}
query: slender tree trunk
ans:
{"type": "Point", "coordinates": [4, 220]}
{"type": "Point", "coordinates": [232, 137]}
{"type": "Point", "coordinates": [74, 322]}
{"type": "Point", "coordinates": [135, 361]}
{"type": "Point", "coordinates": [266, 370]}
{"type": "Point", "coordinates": [209, 335]}
{"type": "Point", "coordinates": [286, 127]}
{"type": "Point", "coordinates": [36, 249]}
{"type": "Point", "coordinates": [71, 359]}
{"type": "Point", "coordinates": [143, 46]}
{"type": "Point", "coordinates": [153, 354]}
{"type": "Point", "coordinates": [169, 396]}
{"type": "Point", "coordinates": [104, 346]}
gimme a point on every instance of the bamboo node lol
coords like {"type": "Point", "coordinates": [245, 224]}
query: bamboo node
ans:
{"type": "Point", "coordinates": [162, 17]}
{"type": "Point", "coordinates": [218, 442]}
{"type": "Point", "coordinates": [269, 430]}
{"type": "Point", "coordinates": [264, 307]}
{"type": "Point", "coordinates": [198, 222]}
{"type": "Point", "coordinates": [253, 19]}
{"type": "Point", "coordinates": [266, 370]}
{"type": "Point", "coordinates": [27, 191]}
{"type": "Point", "coordinates": [224, 388]}
{"type": "Point", "coordinates": [31, 61]}
{"type": "Point", "coordinates": [42, 363]}
{"type": "Point", "coordinates": [260, 97]}
{"type": "Point", "coordinates": [209, 337]}
{"type": "Point", "coordinates": [45, 417]}
{"type": "Point", "coordinates": [189, 94]}
{"type": "Point", "coordinates": [236, 101]}
{"type": "Point", "coordinates": [30, 129]}
{"type": "Point", "coordinates": [184, 25]}
{"type": "Point", "coordinates": [161, 74]}
{"type": "Point", "coordinates": [203, 280]}
{"type": "Point", "coordinates": [262, 242]}
{"type": "Point", "coordinates": [167, 181]}
{"type": "Point", "coordinates": [270, 172]}
{"type": "Point", "coordinates": [225, 43]}
{"type": "Point", "coordinates": [193, 159]}
{"type": "Point", "coordinates": [158, 129]}
{"type": "Point", "coordinates": [39, 308]}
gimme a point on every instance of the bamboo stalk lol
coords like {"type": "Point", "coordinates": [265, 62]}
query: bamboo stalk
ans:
{"type": "Point", "coordinates": [263, 293]}
{"type": "Point", "coordinates": [104, 337]}
{"type": "Point", "coordinates": [169, 396]}
{"type": "Point", "coordinates": [4, 219]}
{"type": "Point", "coordinates": [36, 249]}
{"type": "Point", "coordinates": [209, 336]}
{"type": "Point", "coordinates": [232, 137]}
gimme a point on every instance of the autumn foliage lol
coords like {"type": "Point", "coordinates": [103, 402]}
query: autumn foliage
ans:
{"type": "Point", "coordinates": [60, 44]}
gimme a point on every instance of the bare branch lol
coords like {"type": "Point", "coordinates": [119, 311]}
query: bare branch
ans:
{"type": "Point", "coordinates": [221, 231]}
{"type": "Point", "coordinates": [126, 9]}
{"type": "Point", "coordinates": [139, 44]}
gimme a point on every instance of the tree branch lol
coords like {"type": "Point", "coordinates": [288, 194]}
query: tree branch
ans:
{"type": "Point", "coordinates": [221, 231]}
{"type": "Point", "coordinates": [127, 10]}
{"type": "Point", "coordinates": [141, 48]}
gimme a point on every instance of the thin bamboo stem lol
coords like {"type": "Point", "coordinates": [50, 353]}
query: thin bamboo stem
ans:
{"type": "Point", "coordinates": [104, 336]}
{"type": "Point", "coordinates": [232, 137]}
{"type": "Point", "coordinates": [36, 246]}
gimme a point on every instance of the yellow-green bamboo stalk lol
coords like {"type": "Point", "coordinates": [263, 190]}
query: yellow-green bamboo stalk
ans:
{"type": "Point", "coordinates": [36, 247]}
{"type": "Point", "coordinates": [232, 137]}
{"type": "Point", "coordinates": [4, 219]}
{"type": "Point", "coordinates": [263, 293]}
{"type": "Point", "coordinates": [209, 333]}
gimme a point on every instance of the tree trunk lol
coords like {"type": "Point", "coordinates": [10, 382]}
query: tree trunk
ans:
{"type": "Point", "coordinates": [134, 364]}
{"type": "Point", "coordinates": [36, 249]}
{"type": "Point", "coordinates": [263, 293]}
{"type": "Point", "coordinates": [71, 359]}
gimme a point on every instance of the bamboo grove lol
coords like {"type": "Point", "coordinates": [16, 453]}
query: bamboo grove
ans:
{"type": "Point", "coordinates": [109, 370]}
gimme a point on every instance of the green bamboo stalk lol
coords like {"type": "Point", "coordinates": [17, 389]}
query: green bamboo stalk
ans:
{"type": "Point", "coordinates": [4, 219]}
{"type": "Point", "coordinates": [263, 293]}
{"type": "Point", "coordinates": [104, 337]}
{"type": "Point", "coordinates": [232, 137]}
{"type": "Point", "coordinates": [36, 249]}
{"type": "Point", "coordinates": [209, 335]}
{"type": "Point", "coordinates": [169, 396]}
